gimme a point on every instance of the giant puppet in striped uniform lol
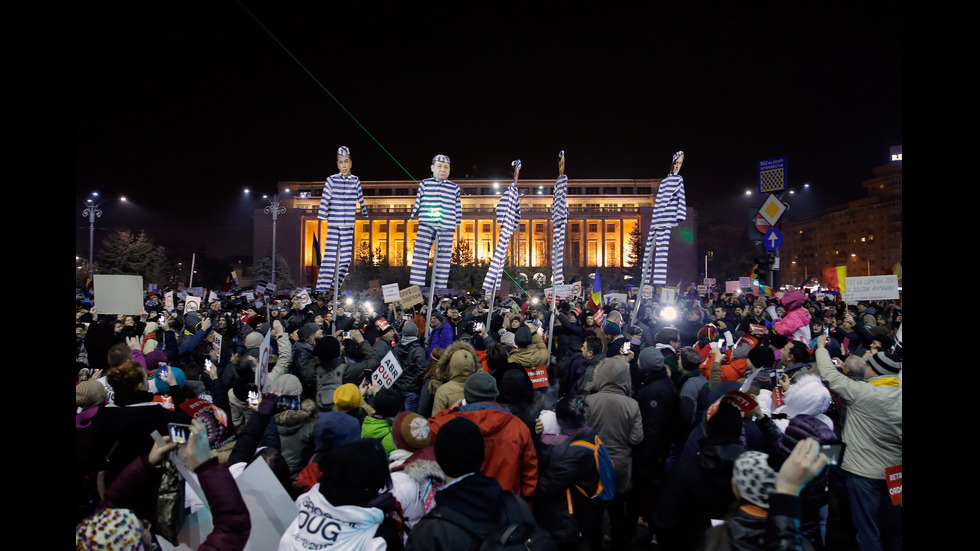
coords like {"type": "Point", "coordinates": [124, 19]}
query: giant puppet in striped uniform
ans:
{"type": "Point", "coordinates": [508, 216]}
{"type": "Point", "coordinates": [437, 204]}
{"type": "Point", "coordinates": [338, 206]}
{"type": "Point", "coordinates": [559, 216]}
{"type": "Point", "coordinates": [669, 209]}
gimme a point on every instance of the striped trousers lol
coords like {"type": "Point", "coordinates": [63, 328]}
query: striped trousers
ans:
{"type": "Point", "coordinates": [558, 254]}
{"type": "Point", "coordinates": [440, 263]}
{"type": "Point", "coordinates": [345, 237]}
{"type": "Point", "coordinates": [655, 254]}
{"type": "Point", "coordinates": [492, 280]}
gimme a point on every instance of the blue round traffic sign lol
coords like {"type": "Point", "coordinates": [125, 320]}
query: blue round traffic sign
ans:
{"type": "Point", "coordinates": [773, 239]}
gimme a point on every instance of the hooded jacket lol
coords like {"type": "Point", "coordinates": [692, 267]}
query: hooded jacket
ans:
{"type": "Point", "coordinates": [477, 497]}
{"type": "Point", "coordinates": [320, 525]}
{"type": "Point", "coordinates": [411, 356]}
{"type": "Point", "coordinates": [796, 323]}
{"type": "Point", "coordinates": [452, 390]}
{"type": "Point", "coordinates": [510, 456]}
{"type": "Point", "coordinates": [296, 435]}
{"type": "Point", "coordinates": [615, 416]}
{"type": "Point", "coordinates": [528, 354]}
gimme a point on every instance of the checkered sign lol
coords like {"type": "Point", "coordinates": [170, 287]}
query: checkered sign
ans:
{"type": "Point", "coordinates": [772, 175]}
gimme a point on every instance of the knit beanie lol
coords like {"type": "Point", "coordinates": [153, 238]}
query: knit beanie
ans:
{"type": "Point", "coordinates": [508, 338]}
{"type": "Point", "coordinates": [522, 337]}
{"type": "Point", "coordinates": [89, 394]}
{"type": "Point", "coordinates": [411, 431]}
{"type": "Point", "coordinates": [388, 402]}
{"type": "Point", "coordinates": [459, 447]}
{"type": "Point", "coordinates": [163, 387]}
{"type": "Point", "coordinates": [762, 357]}
{"type": "Point", "coordinates": [333, 428]}
{"type": "Point", "coordinates": [117, 529]}
{"type": "Point", "coordinates": [254, 339]}
{"type": "Point", "coordinates": [885, 363]}
{"type": "Point", "coordinates": [480, 387]}
{"type": "Point", "coordinates": [287, 385]}
{"type": "Point", "coordinates": [754, 478]}
{"type": "Point", "coordinates": [347, 397]}
{"type": "Point", "coordinates": [410, 329]}
{"type": "Point", "coordinates": [327, 349]}
{"type": "Point", "coordinates": [515, 387]}
{"type": "Point", "coordinates": [307, 331]}
{"type": "Point", "coordinates": [153, 359]}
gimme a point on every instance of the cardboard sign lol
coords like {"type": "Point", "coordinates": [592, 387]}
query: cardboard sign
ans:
{"type": "Point", "coordinates": [577, 289]}
{"type": "Point", "coordinates": [538, 375]}
{"type": "Point", "coordinates": [410, 296]}
{"type": "Point", "coordinates": [388, 372]}
{"type": "Point", "coordinates": [118, 294]}
{"type": "Point", "coordinates": [647, 292]}
{"type": "Point", "coordinates": [893, 479]}
{"type": "Point", "coordinates": [668, 295]}
{"type": "Point", "coordinates": [168, 301]}
{"type": "Point", "coordinates": [212, 296]}
{"type": "Point", "coordinates": [733, 286]}
{"type": "Point", "coordinates": [390, 293]}
{"type": "Point", "coordinates": [216, 344]}
{"type": "Point", "coordinates": [617, 297]}
{"type": "Point", "coordinates": [262, 370]}
{"type": "Point", "coordinates": [745, 282]}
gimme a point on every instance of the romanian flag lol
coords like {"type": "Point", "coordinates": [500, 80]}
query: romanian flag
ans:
{"type": "Point", "coordinates": [595, 300]}
{"type": "Point", "coordinates": [753, 273]}
{"type": "Point", "coordinates": [897, 269]}
{"type": "Point", "coordinates": [316, 265]}
{"type": "Point", "coordinates": [87, 290]}
{"type": "Point", "coordinates": [836, 277]}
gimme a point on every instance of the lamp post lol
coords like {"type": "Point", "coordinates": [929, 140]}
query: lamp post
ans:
{"type": "Point", "coordinates": [274, 208]}
{"type": "Point", "coordinates": [92, 212]}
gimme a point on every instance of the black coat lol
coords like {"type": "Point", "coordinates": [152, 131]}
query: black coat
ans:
{"type": "Point", "coordinates": [560, 468]}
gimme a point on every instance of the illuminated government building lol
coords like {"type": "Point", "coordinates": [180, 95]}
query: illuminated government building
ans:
{"type": "Point", "coordinates": [602, 215]}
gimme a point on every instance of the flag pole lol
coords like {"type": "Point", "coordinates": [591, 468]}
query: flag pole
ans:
{"type": "Point", "coordinates": [432, 290]}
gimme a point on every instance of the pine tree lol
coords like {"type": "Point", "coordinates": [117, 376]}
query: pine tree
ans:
{"type": "Point", "coordinates": [284, 279]}
{"type": "Point", "coordinates": [126, 253]}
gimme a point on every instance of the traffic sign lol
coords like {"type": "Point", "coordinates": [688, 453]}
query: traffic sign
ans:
{"type": "Point", "coordinates": [773, 239]}
{"type": "Point", "coordinates": [772, 209]}
{"type": "Point", "coordinates": [772, 175]}
{"type": "Point", "coordinates": [760, 223]}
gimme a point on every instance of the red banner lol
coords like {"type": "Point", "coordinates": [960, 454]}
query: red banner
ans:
{"type": "Point", "coordinates": [538, 375]}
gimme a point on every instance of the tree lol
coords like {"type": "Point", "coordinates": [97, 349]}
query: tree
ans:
{"type": "Point", "coordinates": [634, 258]}
{"type": "Point", "coordinates": [124, 252]}
{"type": "Point", "coordinates": [263, 272]}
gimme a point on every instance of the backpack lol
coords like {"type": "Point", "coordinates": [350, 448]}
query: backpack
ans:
{"type": "Point", "coordinates": [606, 489]}
{"type": "Point", "coordinates": [517, 531]}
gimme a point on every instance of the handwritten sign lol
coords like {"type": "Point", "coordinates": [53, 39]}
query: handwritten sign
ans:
{"type": "Point", "coordinates": [410, 296]}
{"type": "Point", "coordinates": [881, 287]}
{"type": "Point", "coordinates": [390, 292]}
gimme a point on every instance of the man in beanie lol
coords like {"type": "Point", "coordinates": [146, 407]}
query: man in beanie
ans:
{"type": "Point", "coordinates": [657, 399]}
{"type": "Point", "coordinates": [413, 359]}
{"type": "Point", "coordinates": [334, 369]}
{"type": "Point", "coordinates": [510, 453]}
{"type": "Point", "coordinates": [699, 490]}
{"type": "Point", "coordinates": [469, 497]}
{"type": "Point", "coordinates": [873, 438]}
{"type": "Point", "coordinates": [331, 430]}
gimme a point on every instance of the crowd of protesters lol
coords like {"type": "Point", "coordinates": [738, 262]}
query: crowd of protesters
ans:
{"type": "Point", "coordinates": [483, 428]}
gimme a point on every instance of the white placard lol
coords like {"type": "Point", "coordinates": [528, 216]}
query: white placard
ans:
{"type": "Point", "coordinates": [880, 287]}
{"type": "Point", "coordinates": [388, 372]}
{"type": "Point", "coordinates": [618, 297]}
{"type": "Point", "coordinates": [745, 282]}
{"type": "Point", "coordinates": [668, 295]}
{"type": "Point", "coordinates": [304, 297]}
{"type": "Point", "coordinates": [390, 292]}
{"type": "Point", "coordinates": [192, 304]}
{"type": "Point", "coordinates": [647, 292]}
{"type": "Point", "coordinates": [118, 294]}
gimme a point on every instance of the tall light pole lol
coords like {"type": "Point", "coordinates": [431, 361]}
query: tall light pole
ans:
{"type": "Point", "coordinates": [92, 212]}
{"type": "Point", "coordinates": [274, 208]}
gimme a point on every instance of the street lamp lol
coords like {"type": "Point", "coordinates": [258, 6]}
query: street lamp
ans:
{"type": "Point", "coordinates": [92, 212]}
{"type": "Point", "coordinates": [274, 208]}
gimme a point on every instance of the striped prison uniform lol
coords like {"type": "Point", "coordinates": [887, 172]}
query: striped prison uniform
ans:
{"type": "Point", "coordinates": [669, 209]}
{"type": "Point", "coordinates": [438, 207]}
{"type": "Point", "coordinates": [338, 206]}
{"type": "Point", "coordinates": [559, 215]}
{"type": "Point", "coordinates": [508, 215]}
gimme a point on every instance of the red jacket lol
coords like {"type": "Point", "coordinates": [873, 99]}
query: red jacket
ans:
{"type": "Point", "coordinates": [510, 455]}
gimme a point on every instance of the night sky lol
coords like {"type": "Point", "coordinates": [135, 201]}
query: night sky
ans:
{"type": "Point", "coordinates": [181, 105]}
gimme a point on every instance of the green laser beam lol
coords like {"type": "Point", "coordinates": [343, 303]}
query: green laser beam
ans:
{"type": "Point", "coordinates": [515, 281]}
{"type": "Point", "coordinates": [307, 71]}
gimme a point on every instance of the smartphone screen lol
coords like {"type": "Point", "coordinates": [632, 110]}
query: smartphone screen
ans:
{"type": "Point", "coordinates": [287, 401]}
{"type": "Point", "coordinates": [179, 433]}
{"type": "Point", "coordinates": [832, 451]}
{"type": "Point", "coordinates": [253, 394]}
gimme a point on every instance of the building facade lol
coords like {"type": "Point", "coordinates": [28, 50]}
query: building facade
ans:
{"type": "Point", "coordinates": [602, 217]}
{"type": "Point", "coordinates": [865, 235]}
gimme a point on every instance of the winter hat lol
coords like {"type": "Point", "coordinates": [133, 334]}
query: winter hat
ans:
{"type": "Point", "coordinates": [89, 394]}
{"type": "Point", "coordinates": [726, 421]}
{"type": "Point", "coordinates": [651, 359]}
{"type": "Point", "coordinates": [153, 359]}
{"type": "Point", "coordinates": [754, 478]}
{"type": "Point", "coordinates": [508, 338]}
{"type": "Point", "coordinates": [885, 363]}
{"type": "Point", "coordinates": [347, 397]}
{"type": "Point", "coordinates": [388, 402]}
{"type": "Point", "coordinates": [192, 321]}
{"type": "Point", "coordinates": [333, 428]}
{"type": "Point", "coordinates": [515, 387]}
{"type": "Point", "coordinates": [480, 387]}
{"type": "Point", "coordinates": [522, 337]}
{"type": "Point", "coordinates": [411, 431]}
{"type": "Point", "coordinates": [117, 529]}
{"type": "Point", "coordinates": [327, 349]}
{"type": "Point", "coordinates": [307, 331]}
{"type": "Point", "coordinates": [163, 387]}
{"type": "Point", "coordinates": [459, 447]}
{"type": "Point", "coordinates": [741, 351]}
{"type": "Point", "coordinates": [611, 328]}
{"type": "Point", "coordinates": [762, 357]}
{"type": "Point", "coordinates": [410, 329]}
{"type": "Point", "coordinates": [254, 339]}
{"type": "Point", "coordinates": [287, 385]}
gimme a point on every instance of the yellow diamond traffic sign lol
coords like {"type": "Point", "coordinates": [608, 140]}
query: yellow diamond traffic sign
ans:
{"type": "Point", "coordinates": [772, 209]}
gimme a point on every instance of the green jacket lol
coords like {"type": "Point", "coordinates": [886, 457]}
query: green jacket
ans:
{"type": "Point", "coordinates": [379, 429]}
